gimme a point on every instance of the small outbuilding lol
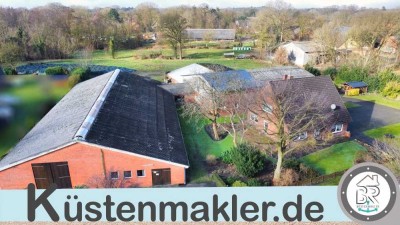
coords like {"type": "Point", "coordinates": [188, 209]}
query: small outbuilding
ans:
{"type": "Point", "coordinates": [363, 87]}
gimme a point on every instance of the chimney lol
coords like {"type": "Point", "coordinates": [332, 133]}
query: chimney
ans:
{"type": "Point", "coordinates": [285, 77]}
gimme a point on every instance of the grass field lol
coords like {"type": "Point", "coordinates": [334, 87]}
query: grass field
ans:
{"type": "Point", "coordinates": [199, 145]}
{"type": "Point", "coordinates": [133, 59]}
{"type": "Point", "coordinates": [35, 95]}
{"type": "Point", "coordinates": [379, 133]}
{"type": "Point", "coordinates": [336, 158]}
{"type": "Point", "coordinates": [351, 105]}
{"type": "Point", "coordinates": [378, 99]}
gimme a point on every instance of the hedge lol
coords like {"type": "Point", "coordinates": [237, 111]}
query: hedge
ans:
{"type": "Point", "coordinates": [56, 70]}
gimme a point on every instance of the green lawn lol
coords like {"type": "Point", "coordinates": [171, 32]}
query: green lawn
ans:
{"type": "Point", "coordinates": [199, 145]}
{"type": "Point", "coordinates": [378, 99]}
{"type": "Point", "coordinates": [34, 95]}
{"type": "Point", "coordinates": [351, 105]}
{"type": "Point", "coordinates": [132, 59]}
{"type": "Point", "coordinates": [379, 133]}
{"type": "Point", "coordinates": [336, 158]}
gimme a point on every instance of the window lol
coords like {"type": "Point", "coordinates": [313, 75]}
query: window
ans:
{"type": "Point", "coordinates": [337, 128]}
{"type": "Point", "coordinates": [301, 137]}
{"type": "Point", "coordinates": [114, 175]}
{"type": "Point", "coordinates": [317, 133]}
{"type": "Point", "coordinates": [127, 174]}
{"type": "Point", "coordinates": [254, 117]}
{"type": "Point", "coordinates": [265, 125]}
{"type": "Point", "coordinates": [267, 108]}
{"type": "Point", "coordinates": [140, 173]}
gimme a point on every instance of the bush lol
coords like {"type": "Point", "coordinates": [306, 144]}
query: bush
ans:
{"type": "Point", "coordinates": [239, 183]}
{"type": "Point", "coordinates": [73, 80]}
{"type": "Point", "coordinates": [288, 177]}
{"type": "Point", "coordinates": [231, 180]}
{"type": "Point", "coordinates": [10, 71]}
{"type": "Point", "coordinates": [362, 156]}
{"type": "Point", "coordinates": [292, 163]}
{"type": "Point", "coordinates": [227, 157]}
{"type": "Point", "coordinates": [56, 70]}
{"type": "Point", "coordinates": [254, 182]}
{"type": "Point", "coordinates": [392, 90]}
{"type": "Point", "coordinates": [247, 159]}
{"type": "Point", "coordinates": [308, 172]}
{"type": "Point", "coordinates": [211, 159]}
{"type": "Point", "coordinates": [218, 180]}
{"type": "Point", "coordinates": [331, 71]}
{"type": "Point", "coordinates": [281, 56]}
{"type": "Point", "coordinates": [312, 70]}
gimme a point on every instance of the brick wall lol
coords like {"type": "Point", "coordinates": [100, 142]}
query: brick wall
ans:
{"type": "Point", "coordinates": [86, 166]}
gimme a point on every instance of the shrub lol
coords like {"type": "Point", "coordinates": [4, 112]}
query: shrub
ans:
{"type": "Point", "coordinates": [56, 70]}
{"type": "Point", "coordinates": [292, 163]}
{"type": "Point", "coordinates": [254, 182]}
{"type": "Point", "coordinates": [239, 183]}
{"type": "Point", "coordinates": [308, 172]}
{"type": "Point", "coordinates": [73, 80]}
{"type": "Point", "coordinates": [231, 180]}
{"type": "Point", "coordinates": [281, 56]}
{"type": "Point", "coordinates": [392, 90]}
{"type": "Point", "coordinates": [227, 157]}
{"type": "Point", "coordinates": [353, 92]}
{"type": "Point", "coordinates": [247, 159]}
{"type": "Point", "coordinates": [312, 70]}
{"type": "Point", "coordinates": [288, 177]}
{"type": "Point", "coordinates": [362, 156]}
{"type": "Point", "coordinates": [331, 71]}
{"type": "Point", "coordinates": [10, 71]}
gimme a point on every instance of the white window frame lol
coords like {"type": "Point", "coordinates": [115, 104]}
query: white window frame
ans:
{"type": "Point", "coordinates": [113, 177]}
{"type": "Point", "coordinates": [267, 108]}
{"type": "Point", "coordinates": [129, 176]}
{"type": "Point", "coordinates": [144, 173]}
{"type": "Point", "coordinates": [299, 137]}
{"type": "Point", "coordinates": [335, 130]}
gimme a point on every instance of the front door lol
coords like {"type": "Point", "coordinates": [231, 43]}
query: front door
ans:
{"type": "Point", "coordinates": [161, 176]}
{"type": "Point", "coordinates": [52, 173]}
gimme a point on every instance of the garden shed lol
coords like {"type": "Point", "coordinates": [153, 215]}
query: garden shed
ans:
{"type": "Point", "coordinates": [363, 87]}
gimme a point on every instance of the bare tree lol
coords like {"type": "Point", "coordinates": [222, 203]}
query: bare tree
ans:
{"type": "Point", "coordinates": [236, 103]}
{"type": "Point", "coordinates": [173, 28]}
{"type": "Point", "coordinates": [208, 103]}
{"type": "Point", "coordinates": [329, 37]}
{"type": "Point", "coordinates": [281, 56]}
{"type": "Point", "coordinates": [290, 113]}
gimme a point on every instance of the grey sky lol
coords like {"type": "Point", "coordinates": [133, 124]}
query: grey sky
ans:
{"type": "Point", "coordinates": [213, 3]}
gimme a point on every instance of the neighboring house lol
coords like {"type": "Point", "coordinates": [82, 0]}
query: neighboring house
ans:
{"type": "Point", "coordinates": [211, 34]}
{"type": "Point", "coordinates": [310, 85]}
{"type": "Point", "coordinates": [363, 87]}
{"type": "Point", "coordinates": [186, 73]}
{"type": "Point", "coordinates": [117, 128]}
{"type": "Point", "coordinates": [303, 52]}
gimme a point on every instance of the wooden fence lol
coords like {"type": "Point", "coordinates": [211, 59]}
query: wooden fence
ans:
{"type": "Point", "coordinates": [320, 179]}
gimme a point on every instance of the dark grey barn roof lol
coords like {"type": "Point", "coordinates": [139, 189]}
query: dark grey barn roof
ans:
{"type": "Point", "coordinates": [324, 86]}
{"type": "Point", "coordinates": [214, 34]}
{"type": "Point", "coordinates": [140, 117]}
{"type": "Point", "coordinates": [135, 116]}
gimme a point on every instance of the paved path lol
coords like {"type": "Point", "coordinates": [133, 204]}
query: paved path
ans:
{"type": "Point", "coordinates": [369, 115]}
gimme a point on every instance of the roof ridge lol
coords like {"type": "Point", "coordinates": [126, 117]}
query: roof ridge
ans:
{"type": "Point", "coordinates": [94, 110]}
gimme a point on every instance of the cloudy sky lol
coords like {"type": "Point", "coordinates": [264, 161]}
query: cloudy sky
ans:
{"type": "Point", "coordinates": [213, 3]}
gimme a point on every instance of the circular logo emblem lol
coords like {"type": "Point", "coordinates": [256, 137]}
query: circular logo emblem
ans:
{"type": "Point", "coordinates": [367, 192]}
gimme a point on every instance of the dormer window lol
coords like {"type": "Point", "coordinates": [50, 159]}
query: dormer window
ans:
{"type": "Point", "coordinates": [337, 128]}
{"type": "Point", "coordinates": [267, 108]}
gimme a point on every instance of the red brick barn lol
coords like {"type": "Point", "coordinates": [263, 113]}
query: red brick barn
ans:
{"type": "Point", "coordinates": [115, 130]}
